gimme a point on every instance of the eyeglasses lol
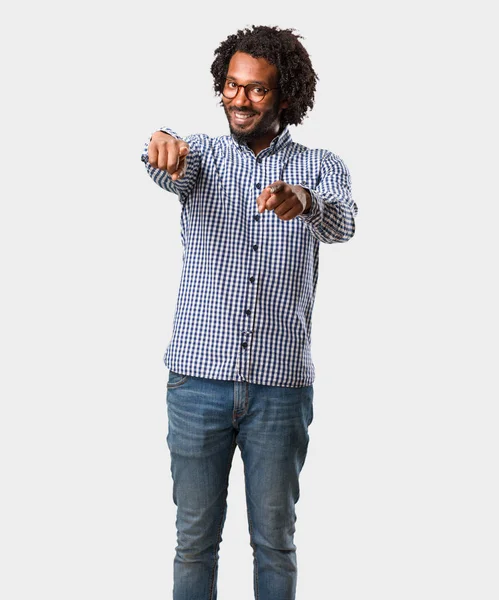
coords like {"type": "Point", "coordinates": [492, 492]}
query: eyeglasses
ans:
{"type": "Point", "coordinates": [254, 91]}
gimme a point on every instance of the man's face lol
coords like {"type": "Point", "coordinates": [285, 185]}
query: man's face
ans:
{"type": "Point", "coordinates": [253, 121]}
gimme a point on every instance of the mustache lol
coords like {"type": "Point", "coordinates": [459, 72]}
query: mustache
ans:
{"type": "Point", "coordinates": [243, 109]}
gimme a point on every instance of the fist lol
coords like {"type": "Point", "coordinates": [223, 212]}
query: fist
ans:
{"type": "Point", "coordinates": [168, 154]}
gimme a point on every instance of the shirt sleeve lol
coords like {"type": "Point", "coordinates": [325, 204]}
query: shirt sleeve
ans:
{"type": "Point", "coordinates": [181, 187]}
{"type": "Point", "coordinates": [331, 217]}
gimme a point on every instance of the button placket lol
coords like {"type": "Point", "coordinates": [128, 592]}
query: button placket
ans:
{"type": "Point", "coordinates": [248, 311]}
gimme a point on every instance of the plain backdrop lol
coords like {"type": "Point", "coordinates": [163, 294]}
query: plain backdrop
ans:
{"type": "Point", "coordinates": [399, 493]}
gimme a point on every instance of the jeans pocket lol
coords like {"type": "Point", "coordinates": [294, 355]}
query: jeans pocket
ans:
{"type": "Point", "coordinates": [175, 380]}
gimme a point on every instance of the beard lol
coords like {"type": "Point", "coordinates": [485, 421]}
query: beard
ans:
{"type": "Point", "coordinates": [262, 127]}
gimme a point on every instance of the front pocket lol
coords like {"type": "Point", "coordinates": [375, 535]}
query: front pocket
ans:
{"type": "Point", "coordinates": [176, 380]}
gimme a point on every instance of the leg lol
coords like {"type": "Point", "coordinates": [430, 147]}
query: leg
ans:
{"type": "Point", "coordinates": [273, 438]}
{"type": "Point", "coordinates": [201, 440]}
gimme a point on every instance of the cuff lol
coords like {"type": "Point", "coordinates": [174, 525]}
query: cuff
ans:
{"type": "Point", "coordinates": [170, 132]}
{"type": "Point", "coordinates": [316, 210]}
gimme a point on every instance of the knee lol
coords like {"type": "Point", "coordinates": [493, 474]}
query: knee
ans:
{"type": "Point", "coordinates": [273, 528]}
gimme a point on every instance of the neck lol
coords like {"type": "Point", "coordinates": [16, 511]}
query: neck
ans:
{"type": "Point", "coordinates": [264, 142]}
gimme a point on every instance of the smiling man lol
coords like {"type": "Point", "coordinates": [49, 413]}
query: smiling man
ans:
{"type": "Point", "coordinates": [255, 207]}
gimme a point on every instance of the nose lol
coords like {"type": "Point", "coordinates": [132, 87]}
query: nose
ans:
{"type": "Point", "coordinates": [240, 99]}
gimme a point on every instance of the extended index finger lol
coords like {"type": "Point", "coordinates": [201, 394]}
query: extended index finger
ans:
{"type": "Point", "coordinates": [271, 190]}
{"type": "Point", "coordinates": [267, 193]}
{"type": "Point", "coordinates": [276, 187]}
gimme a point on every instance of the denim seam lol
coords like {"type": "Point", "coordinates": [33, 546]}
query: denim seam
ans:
{"type": "Point", "coordinates": [219, 535]}
{"type": "Point", "coordinates": [253, 545]}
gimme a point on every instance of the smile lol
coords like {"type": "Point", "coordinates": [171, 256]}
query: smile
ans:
{"type": "Point", "coordinates": [241, 117]}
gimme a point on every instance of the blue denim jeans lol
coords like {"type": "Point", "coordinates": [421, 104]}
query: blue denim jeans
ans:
{"type": "Point", "coordinates": [207, 419]}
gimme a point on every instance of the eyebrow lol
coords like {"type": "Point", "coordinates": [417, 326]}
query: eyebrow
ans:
{"type": "Point", "coordinates": [255, 81]}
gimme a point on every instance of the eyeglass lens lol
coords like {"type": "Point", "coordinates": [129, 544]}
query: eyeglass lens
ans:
{"type": "Point", "coordinates": [254, 91]}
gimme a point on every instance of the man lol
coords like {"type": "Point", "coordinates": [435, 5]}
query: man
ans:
{"type": "Point", "coordinates": [254, 208]}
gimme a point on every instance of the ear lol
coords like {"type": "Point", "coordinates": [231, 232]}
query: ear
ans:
{"type": "Point", "coordinates": [284, 104]}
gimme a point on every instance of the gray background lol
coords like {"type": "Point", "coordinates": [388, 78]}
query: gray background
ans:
{"type": "Point", "coordinates": [399, 492]}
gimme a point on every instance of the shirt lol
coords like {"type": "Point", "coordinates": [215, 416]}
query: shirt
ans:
{"type": "Point", "coordinates": [248, 280]}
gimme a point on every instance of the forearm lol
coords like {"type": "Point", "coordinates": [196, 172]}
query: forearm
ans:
{"type": "Point", "coordinates": [328, 220]}
{"type": "Point", "coordinates": [330, 213]}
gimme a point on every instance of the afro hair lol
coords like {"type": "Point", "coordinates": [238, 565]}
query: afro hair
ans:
{"type": "Point", "coordinates": [279, 47]}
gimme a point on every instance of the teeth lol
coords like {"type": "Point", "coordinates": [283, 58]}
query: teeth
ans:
{"type": "Point", "coordinates": [242, 115]}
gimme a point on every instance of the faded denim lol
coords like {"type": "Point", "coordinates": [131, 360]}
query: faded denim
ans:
{"type": "Point", "coordinates": [207, 419]}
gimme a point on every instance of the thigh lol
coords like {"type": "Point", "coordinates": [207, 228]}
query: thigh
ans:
{"type": "Point", "coordinates": [200, 438]}
{"type": "Point", "coordinates": [274, 438]}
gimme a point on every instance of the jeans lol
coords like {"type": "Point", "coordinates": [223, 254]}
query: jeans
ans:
{"type": "Point", "coordinates": [207, 419]}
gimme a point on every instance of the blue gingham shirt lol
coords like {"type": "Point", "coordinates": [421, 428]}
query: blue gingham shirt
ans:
{"type": "Point", "coordinates": [247, 288]}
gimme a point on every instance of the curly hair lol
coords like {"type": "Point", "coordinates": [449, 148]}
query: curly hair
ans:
{"type": "Point", "coordinates": [279, 47]}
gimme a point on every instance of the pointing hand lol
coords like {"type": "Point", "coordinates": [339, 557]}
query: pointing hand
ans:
{"type": "Point", "coordinates": [287, 201]}
{"type": "Point", "coordinates": [169, 154]}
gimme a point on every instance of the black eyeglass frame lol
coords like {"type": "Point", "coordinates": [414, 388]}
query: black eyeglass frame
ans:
{"type": "Point", "coordinates": [240, 85]}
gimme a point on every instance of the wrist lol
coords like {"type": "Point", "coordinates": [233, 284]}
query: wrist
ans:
{"type": "Point", "coordinates": [161, 134]}
{"type": "Point", "coordinates": [308, 201]}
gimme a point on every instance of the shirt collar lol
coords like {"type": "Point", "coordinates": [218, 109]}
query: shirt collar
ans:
{"type": "Point", "coordinates": [278, 143]}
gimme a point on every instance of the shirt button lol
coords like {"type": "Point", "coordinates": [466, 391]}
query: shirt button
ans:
{"type": "Point", "coordinates": [256, 217]}
{"type": "Point", "coordinates": [255, 247]}
{"type": "Point", "coordinates": [248, 312]}
{"type": "Point", "coordinates": [244, 344]}
{"type": "Point", "coordinates": [258, 185]}
{"type": "Point", "coordinates": [252, 279]}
